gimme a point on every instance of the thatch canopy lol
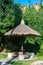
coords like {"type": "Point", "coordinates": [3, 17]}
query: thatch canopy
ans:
{"type": "Point", "coordinates": [22, 29]}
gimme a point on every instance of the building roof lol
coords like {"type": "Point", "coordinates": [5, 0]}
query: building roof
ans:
{"type": "Point", "coordinates": [22, 29]}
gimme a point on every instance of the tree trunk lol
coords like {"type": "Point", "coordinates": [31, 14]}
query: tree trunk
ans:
{"type": "Point", "coordinates": [22, 47]}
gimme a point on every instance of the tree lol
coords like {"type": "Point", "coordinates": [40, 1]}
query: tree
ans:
{"type": "Point", "coordinates": [30, 2]}
{"type": "Point", "coordinates": [34, 19]}
{"type": "Point", "coordinates": [41, 1]}
{"type": "Point", "coordinates": [10, 15]}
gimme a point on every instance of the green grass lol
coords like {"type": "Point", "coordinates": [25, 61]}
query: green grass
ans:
{"type": "Point", "coordinates": [2, 56]}
{"type": "Point", "coordinates": [24, 62]}
{"type": "Point", "coordinates": [40, 57]}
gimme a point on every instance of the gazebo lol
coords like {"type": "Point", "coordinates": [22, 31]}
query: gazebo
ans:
{"type": "Point", "coordinates": [22, 30]}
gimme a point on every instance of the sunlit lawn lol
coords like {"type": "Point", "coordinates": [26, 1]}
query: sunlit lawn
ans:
{"type": "Point", "coordinates": [24, 62]}
{"type": "Point", "coordinates": [2, 56]}
{"type": "Point", "coordinates": [40, 58]}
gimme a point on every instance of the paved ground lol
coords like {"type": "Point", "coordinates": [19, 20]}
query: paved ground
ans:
{"type": "Point", "coordinates": [5, 61]}
{"type": "Point", "coordinates": [37, 63]}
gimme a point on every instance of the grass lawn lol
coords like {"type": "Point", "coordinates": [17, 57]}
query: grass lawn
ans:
{"type": "Point", "coordinates": [24, 62]}
{"type": "Point", "coordinates": [40, 58]}
{"type": "Point", "coordinates": [2, 56]}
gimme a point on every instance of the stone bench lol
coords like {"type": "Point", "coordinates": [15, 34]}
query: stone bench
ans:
{"type": "Point", "coordinates": [31, 55]}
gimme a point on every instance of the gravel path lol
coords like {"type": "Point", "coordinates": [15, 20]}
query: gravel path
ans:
{"type": "Point", "coordinates": [37, 63]}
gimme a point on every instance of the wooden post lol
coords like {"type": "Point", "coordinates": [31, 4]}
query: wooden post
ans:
{"type": "Point", "coordinates": [22, 47]}
{"type": "Point", "coordinates": [21, 56]}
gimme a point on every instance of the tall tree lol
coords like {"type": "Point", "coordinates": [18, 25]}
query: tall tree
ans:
{"type": "Point", "coordinates": [34, 19]}
{"type": "Point", "coordinates": [10, 15]}
{"type": "Point", "coordinates": [41, 1]}
{"type": "Point", "coordinates": [30, 2]}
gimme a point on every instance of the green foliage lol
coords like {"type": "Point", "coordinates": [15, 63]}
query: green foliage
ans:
{"type": "Point", "coordinates": [34, 19]}
{"type": "Point", "coordinates": [10, 15]}
{"type": "Point", "coordinates": [29, 47]}
{"type": "Point", "coordinates": [2, 56]}
{"type": "Point", "coordinates": [39, 55]}
{"type": "Point", "coordinates": [24, 62]}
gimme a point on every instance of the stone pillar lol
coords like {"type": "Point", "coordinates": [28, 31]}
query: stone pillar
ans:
{"type": "Point", "coordinates": [9, 55]}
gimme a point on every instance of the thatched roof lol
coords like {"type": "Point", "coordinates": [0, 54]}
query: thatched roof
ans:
{"type": "Point", "coordinates": [22, 29]}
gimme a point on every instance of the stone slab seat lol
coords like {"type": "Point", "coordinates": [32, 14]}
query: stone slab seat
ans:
{"type": "Point", "coordinates": [31, 55]}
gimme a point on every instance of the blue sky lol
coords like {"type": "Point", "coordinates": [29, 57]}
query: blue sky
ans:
{"type": "Point", "coordinates": [25, 2]}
